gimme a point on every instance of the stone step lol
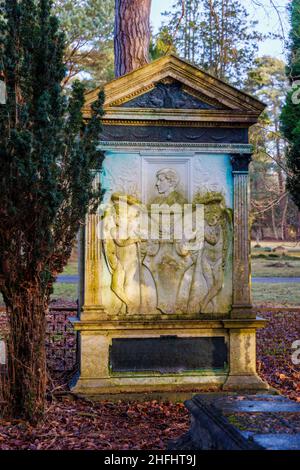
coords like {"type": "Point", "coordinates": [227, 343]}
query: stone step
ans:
{"type": "Point", "coordinates": [247, 406]}
{"type": "Point", "coordinates": [277, 441]}
{"type": "Point", "coordinates": [215, 424]}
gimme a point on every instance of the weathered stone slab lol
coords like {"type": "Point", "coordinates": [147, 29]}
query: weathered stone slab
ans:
{"type": "Point", "coordinates": [255, 406]}
{"type": "Point", "coordinates": [210, 431]}
{"type": "Point", "coordinates": [266, 397]}
{"type": "Point", "coordinates": [213, 428]}
{"type": "Point", "coordinates": [278, 441]}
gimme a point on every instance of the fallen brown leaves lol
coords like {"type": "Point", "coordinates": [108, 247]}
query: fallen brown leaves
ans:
{"type": "Point", "coordinates": [274, 352]}
{"type": "Point", "coordinates": [83, 425]}
{"type": "Point", "coordinates": [80, 424]}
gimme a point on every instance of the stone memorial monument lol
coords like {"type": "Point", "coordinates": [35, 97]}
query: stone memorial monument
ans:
{"type": "Point", "coordinates": [165, 264]}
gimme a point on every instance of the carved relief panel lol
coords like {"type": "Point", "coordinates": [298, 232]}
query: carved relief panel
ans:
{"type": "Point", "coordinates": [174, 254]}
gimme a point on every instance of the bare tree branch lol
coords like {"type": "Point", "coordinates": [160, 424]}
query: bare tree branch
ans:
{"type": "Point", "coordinates": [279, 18]}
{"type": "Point", "coordinates": [272, 204]}
{"type": "Point", "coordinates": [261, 4]}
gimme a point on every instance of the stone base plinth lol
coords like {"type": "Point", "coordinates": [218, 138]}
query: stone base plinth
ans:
{"type": "Point", "coordinates": [143, 385]}
{"type": "Point", "coordinates": [167, 356]}
{"type": "Point", "coordinates": [244, 382]}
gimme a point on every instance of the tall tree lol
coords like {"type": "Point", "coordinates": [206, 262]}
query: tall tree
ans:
{"type": "Point", "coordinates": [183, 24]}
{"type": "Point", "coordinates": [268, 82]}
{"type": "Point", "coordinates": [230, 40]}
{"type": "Point", "coordinates": [217, 35]}
{"type": "Point", "coordinates": [46, 157]}
{"type": "Point", "coordinates": [290, 118]}
{"type": "Point", "coordinates": [162, 44]}
{"type": "Point", "coordinates": [88, 26]}
{"type": "Point", "coordinates": [132, 35]}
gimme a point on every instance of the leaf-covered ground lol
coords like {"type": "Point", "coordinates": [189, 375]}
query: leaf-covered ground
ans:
{"type": "Point", "coordinates": [274, 352]}
{"type": "Point", "coordinates": [81, 424]}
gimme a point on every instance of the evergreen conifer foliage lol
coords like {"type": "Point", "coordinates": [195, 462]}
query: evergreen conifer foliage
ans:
{"type": "Point", "coordinates": [290, 117]}
{"type": "Point", "coordinates": [47, 157]}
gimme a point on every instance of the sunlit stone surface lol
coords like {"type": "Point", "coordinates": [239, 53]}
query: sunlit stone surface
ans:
{"type": "Point", "coordinates": [165, 266]}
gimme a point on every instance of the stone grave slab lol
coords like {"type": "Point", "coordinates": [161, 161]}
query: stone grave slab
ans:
{"type": "Point", "coordinates": [241, 422]}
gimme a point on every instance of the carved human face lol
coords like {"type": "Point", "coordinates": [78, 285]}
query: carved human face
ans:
{"type": "Point", "coordinates": [164, 184]}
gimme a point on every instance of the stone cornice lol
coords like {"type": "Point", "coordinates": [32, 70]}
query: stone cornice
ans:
{"type": "Point", "coordinates": [176, 117]}
{"type": "Point", "coordinates": [183, 324]}
{"type": "Point", "coordinates": [166, 123]}
{"type": "Point", "coordinates": [177, 147]}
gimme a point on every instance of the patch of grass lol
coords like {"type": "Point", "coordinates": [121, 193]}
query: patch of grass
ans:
{"type": "Point", "coordinates": [265, 250]}
{"type": "Point", "coordinates": [274, 256]}
{"type": "Point", "coordinates": [264, 266]}
{"type": "Point", "coordinates": [274, 244]}
{"type": "Point", "coordinates": [261, 256]}
{"type": "Point", "coordinates": [65, 292]}
{"type": "Point", "coordinates": [71, 269]}
{"type": "Point", "coordinates": [62, 291]}
{"type": "Point", "coordinates": [278, 294]}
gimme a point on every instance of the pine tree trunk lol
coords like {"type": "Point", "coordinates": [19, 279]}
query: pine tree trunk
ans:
{"type": "Point", "coordinates": [26, 386]}
{"type": "Point", "coordinates": [132, 35]}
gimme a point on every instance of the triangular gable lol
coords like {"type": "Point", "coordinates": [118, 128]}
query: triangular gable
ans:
{"type": "Point", "coordinates": [144, 79]}
{"type": "Point", "coordinates": [194, 87]}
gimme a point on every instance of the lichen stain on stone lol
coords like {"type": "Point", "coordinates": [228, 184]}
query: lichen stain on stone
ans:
{"type": "Point", "coordinates": [248, 351]}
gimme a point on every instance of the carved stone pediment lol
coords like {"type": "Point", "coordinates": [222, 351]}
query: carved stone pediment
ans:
{"type": "Point", "coordinates": [159, 91]}
{"type": "Point", "coordinates": [171, 95]}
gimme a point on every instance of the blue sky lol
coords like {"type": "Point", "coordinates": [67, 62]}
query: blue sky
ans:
{"type": "Point", "coordinates": [266, 15]}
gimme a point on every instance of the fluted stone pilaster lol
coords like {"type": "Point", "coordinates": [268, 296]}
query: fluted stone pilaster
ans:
{"type": "Point", "coordinates": [242, 302]}
{"type": "Point", "coordinates": [92, 307]}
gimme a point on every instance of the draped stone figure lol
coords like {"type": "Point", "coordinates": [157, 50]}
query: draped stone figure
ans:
{"type": "Point", "coordinates": [168, 267]}
{"type": "Point", "coordinates": [211, 260]}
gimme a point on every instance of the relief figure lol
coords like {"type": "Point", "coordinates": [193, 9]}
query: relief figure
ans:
{"type": "Point", "coordinates": [167, 275]}
{"type": "Point", "coordinates": [167, 181]}
{"type": "Point", "coordinates": [166, 258]}
{"type": "Point", "coordinates": [123, 255]}
{"type": "Point", "coordinates": [208, 276]}
{"type": "Point", "coordinates": [168, 267]}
